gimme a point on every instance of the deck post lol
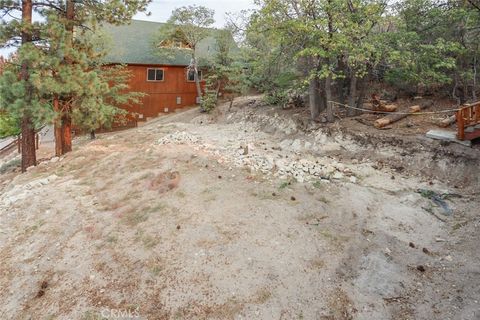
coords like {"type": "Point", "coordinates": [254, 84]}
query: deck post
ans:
{"type": "Point", "coordinates": [460, 125]}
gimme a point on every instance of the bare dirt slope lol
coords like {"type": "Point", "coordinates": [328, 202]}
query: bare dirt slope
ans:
{"type": "Point", "coordinates": [239, 215]}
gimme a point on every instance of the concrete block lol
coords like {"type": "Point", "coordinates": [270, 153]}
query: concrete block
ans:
{"type": "Point", "coordinates": [447, 136]}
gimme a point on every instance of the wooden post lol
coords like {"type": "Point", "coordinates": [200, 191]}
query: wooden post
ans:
{"type": "Point", "coordinates": [460, 125]}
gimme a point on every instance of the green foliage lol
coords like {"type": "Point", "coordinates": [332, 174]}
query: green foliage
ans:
{"type": "Point", "coordinates": [191, 23]}
{"type": "Point", "coordinates": [413, 43]}
{"type": "Point", "coordinates": [225, 72]}
{"type": "Point", "coordinates": [209, 101]}
{"type": "Point", "coordinates": [92, 91]}
{"type": "Point", "coordinates": [417, 64]}
{"type": "Point", "coordinates": [19, 97]}
{"type": "Point", "coordinates": [64, 62]}
{"type": "Point", "coordinates": [9, 126]}
{"type": "Point", "coordinates": [185, 28]}
{"type": "Point", "coordinates": [291, 44]}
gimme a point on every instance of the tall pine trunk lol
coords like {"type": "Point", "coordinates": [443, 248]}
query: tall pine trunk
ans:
{"type": "Point", "coordinates": [65, 142]}
{"type": "Point", "coordinates": [29, 157]}
{"type": "Point", "coordinates": [57, 128]}
{"type": "Point", "coordinates": [66, 132]}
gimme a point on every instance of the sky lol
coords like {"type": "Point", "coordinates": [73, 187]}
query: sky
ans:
{"type": "Point", "coordinates": [161, 9]}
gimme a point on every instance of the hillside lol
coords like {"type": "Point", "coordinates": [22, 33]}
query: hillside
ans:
{"type": "Point", "coordinates": [247, 214]}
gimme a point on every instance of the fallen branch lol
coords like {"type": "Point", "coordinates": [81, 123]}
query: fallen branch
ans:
{"type": "Point", "coordinates": [382, 122]}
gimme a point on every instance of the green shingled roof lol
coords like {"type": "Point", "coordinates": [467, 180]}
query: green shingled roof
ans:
{"type": "Point", "coordinates": [134, 44]}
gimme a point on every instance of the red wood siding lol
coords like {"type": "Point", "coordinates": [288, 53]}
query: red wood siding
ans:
{"type": "Point", "coordinates": [161, 94]}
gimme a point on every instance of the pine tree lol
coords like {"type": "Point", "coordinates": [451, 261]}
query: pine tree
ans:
{"type": "Point", "coordinates": [20, 99]}
{"type": "Point", "coordinates": [9, 126]}
{"type": "Point", "coordinates": [226, 71]}
{"type": "Point", "coordinates": [84, 18]}
{"type": "Point", "coordinates": [59, 66]}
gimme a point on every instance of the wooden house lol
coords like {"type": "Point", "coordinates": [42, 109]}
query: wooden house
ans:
{"type": "Point", "coordinates": [162, 75]}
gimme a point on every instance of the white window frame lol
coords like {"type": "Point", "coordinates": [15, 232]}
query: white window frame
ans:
{"type": "Point", "coordinates": [163, 74]}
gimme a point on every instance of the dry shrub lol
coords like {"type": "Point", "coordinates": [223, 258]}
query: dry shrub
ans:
{"type": "Point", "coordinates": [165, 181]}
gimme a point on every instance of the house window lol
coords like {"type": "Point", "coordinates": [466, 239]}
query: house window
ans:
{"type": "Point", "coordinates": [155, 74]}
{"type": "Point", "coordinates": [191, 75]}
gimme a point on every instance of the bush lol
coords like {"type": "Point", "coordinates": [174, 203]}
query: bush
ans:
{"type": "Point", "coordinates": [9, 126]}
{"type": "Point", "coordinates": [209, 101]}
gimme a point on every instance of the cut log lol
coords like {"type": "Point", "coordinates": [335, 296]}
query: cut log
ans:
{"type": "Point", "coordinates": [380, 123]}
{"type": "Point", "coordinates": [447, 122]}
{"type": "Point", "coordinates": [389, 108]}
{"type": "Point", "coordinates": [414, 109]}
{"type": "Point", "coordinates": [381, 105]}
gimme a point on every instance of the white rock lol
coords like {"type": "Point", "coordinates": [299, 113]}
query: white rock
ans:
{"type": "Point", "coordinates": [329, 170]}
{"type": "Point", "coordinates": [337, 175]}
{"type": "Point", "coordinates": [285, 144]}
{"type": "Point", "coordinates": [297, 145]}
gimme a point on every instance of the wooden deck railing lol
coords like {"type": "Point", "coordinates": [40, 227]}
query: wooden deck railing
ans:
{"type": "Point", "coordinates": [18, 143]}
{"type": "Point", "coordinates": [468, 116]}
{"type": "Point", "coordinates": [10, 146]}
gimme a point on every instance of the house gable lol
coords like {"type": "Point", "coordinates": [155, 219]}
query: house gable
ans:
{"type": "Point", "coordinates": [162, 75]}
{"type": "Point", "coordinates": [138, 43]}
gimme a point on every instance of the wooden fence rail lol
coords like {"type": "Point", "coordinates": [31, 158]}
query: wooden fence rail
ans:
{"type": "Point", "coordinates": [468, 119]}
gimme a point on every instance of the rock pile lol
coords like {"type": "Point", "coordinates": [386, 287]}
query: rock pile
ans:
{"type": "Point", "coordinates": [178, 137]}
{"type": "Point", "coordinates": [10, 158]}
{"type": "Point", "coordinates": [276, 161]}
{"type": "Point", "coordinates": [20, 191]}
{"type": "Point", "coordinates": [263, 122]}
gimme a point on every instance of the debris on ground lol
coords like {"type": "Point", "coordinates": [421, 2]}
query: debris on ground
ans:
{"type": "Point", "coordinates": [382, 122]}
{"type": "Point", "coordinates": [307, 224]}
{"type": "Point", "coordinates": [438, 199]}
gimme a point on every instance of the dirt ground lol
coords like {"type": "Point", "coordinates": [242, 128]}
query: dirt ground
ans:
{"type": "Point", "coordinates": [252, 213]}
